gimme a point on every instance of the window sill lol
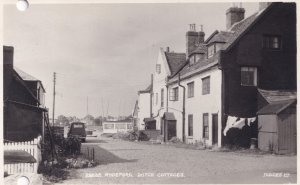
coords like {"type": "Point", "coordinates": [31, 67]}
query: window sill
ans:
{"type": "Point", "coordinates": [243, 85]}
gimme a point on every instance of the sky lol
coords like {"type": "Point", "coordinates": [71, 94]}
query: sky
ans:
{"type": "Point", "coordinates": [102, 53]}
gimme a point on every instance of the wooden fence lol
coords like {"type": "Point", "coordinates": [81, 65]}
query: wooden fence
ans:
{"type": "Point", "coordinates": [32, 147]}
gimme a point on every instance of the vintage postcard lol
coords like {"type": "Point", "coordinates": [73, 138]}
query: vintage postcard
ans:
{"type": "Point", "coordinates": [149, 93]}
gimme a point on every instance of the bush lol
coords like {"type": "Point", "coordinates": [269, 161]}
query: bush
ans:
{"type": "Point", "coordinates": [175, 140]}
{"type": "Point", "coordinates": [131, 136]}
{"type": "Point", "coordinates": [142, 136]}
{"type": "Point", "coordinates": [53, 171]}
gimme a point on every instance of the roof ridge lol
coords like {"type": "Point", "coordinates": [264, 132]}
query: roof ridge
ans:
{"type": "Point", "coordinates": [25, 76]}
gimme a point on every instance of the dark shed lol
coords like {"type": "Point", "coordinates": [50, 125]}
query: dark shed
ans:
{"type": "Point", "coordinates": [277, 127]}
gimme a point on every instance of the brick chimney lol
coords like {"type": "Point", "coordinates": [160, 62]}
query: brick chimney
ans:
{"type": "Point", "coordinates": [8, 55]}
{"type": "Point", "coordinates": [193, 39]}
{"type": "Point", "coordinates": [201, 34]}
{"type": "Point", "coordinates": [233, 15]}
{"type": "Point", "coordinates": [8, 60]}
{"type": "Point", "coordinates": [263, 5]}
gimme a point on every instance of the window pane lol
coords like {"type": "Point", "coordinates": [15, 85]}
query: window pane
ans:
{"type": "Point", "coordinates": [206, 85]}
{"type": "Point", "coordinates": [248, 76]}
{"type": "Point", "coordinates": [190, 125]}
{"type": "Point", "coordinates": [162, 98]}
{"type": "Point", "coordinates": [176, 93]}
{"type": "Point", "coordinates": [158, 68]}
{"type": "Point", "coordinates": [190, 89]}
{"type": "Point", "coordinates": [271, 42]}
{"type": "Point", "coordinates": [205, 126]}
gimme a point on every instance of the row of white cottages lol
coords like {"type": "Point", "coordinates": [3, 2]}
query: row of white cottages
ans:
{"type": "Point", "coordinates": [194, 95]}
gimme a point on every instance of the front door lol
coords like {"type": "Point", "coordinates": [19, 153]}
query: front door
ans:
{"type": "Point", "coordinates": [171, 129]}
{"type": "Point", "coordinates": [215, 129]}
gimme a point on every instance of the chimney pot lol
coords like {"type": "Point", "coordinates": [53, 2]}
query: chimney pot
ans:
{"type": "Point", "coordinates": [192, 27]}
{"type": "Point", "coordinates": [168, 49]}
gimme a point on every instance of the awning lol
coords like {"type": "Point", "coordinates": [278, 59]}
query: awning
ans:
{"type": "Point", "coordinates": [169, 116]}
{"type": "Point", "coordinates": [147, 120]}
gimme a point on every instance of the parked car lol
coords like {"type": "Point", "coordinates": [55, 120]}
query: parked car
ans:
{"type": "Point", "coordinates": [77, 129]}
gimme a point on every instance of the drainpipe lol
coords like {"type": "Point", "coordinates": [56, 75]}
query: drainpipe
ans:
{"type": "Point", "coordinates": [167, 103]}
{"type": "Point", "coordinates": [151, 95]}
{"type": "Point", "coordinates": [183, 109]}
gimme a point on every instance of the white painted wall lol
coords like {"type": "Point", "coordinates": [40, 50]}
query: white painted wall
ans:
{"type": "Point", "coordinates": [143, 109]}
{"type": "Point", "coordinates": [110, 127]}
{"type": "Point", "coordinates": [199, 104]}
{"type": "Point", "coordinates": [159, 82]}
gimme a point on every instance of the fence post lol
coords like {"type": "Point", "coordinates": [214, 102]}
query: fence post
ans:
{"type": "Point", "coordinates": [93, 154]}
{"type": "Point", "coordinates": [88, 152]}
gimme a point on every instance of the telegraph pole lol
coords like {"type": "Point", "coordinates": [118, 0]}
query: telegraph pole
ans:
{"type": "Point", "coordinates": [87, 105]}
{"type": "Point", "coordinates": [54, 82]}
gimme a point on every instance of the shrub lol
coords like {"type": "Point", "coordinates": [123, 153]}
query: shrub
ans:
{"type": "Point", "coordinates": [175, 140]}
{"type": "Point", "coordinates": [142, 136]}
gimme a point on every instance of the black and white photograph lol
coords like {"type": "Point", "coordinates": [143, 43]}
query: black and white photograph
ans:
{"type": "Point", "coordinates": [150, 92]}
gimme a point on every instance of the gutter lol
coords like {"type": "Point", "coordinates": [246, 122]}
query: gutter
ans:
{"type": "Point", "coordinates": [183, 109]}
{"type": "Point", "coordinates": [27, 105]}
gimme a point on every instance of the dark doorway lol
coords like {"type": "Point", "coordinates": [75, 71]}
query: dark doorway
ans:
{"type": "Point", "coordinates": [168, 126]}
{"type": "Point", "coordinates": [215, 128]}
{"type": "Point", "coordinates": [151, 125]}
{"type": "Point", "coordinates": [171, 129]}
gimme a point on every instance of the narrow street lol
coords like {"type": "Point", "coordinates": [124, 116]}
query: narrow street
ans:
{"type": "Point", "coordinates": [134, 162]}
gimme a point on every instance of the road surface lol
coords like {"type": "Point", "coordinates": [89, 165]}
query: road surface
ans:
{"type": "Point", "coordinates": [134, 162]}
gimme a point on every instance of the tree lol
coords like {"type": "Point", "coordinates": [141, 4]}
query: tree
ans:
{"type": "Point", "coordinates": [73, 119]}
{"type": "Point", "coordinates": [98, 122]}
{"type": "Point", "coordinates": [89, 119]}
{"type": "Point", "coordinates": [62, 120]}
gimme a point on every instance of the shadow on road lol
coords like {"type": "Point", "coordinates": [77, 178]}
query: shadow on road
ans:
{"type": "Point", "coordinates": [103, 156]}
{"type": "Point", "coordinates": [95, 141]}
{"type": "Point", "coordinates": [124, 149]}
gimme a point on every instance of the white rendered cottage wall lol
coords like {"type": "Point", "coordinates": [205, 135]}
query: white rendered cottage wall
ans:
{"type": "Point", "coordinates": [159, 82]}
{"type": "Point", "coordinates": [198, 105]}
{"type": "Point", "coordinates": [143, 109]}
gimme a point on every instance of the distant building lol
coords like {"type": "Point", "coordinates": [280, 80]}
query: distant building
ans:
{"type": "Point", "coordinates": [144, 110]}
{"type": "Point", "coordinates": [110, 127]}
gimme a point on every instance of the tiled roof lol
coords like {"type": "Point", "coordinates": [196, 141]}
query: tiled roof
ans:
{"type": "Point", "coordinates": [197, 67]}
{"type": "Point", "coordinates": [28, 77]}
{"type": "Point", "coordinates": [147, 90]}
{"type": "Point", "coordinates": [200, 49]}
{"type": "Point", "coordinates": [25, 76]}
{"type": "Point", "coordinates": [222, 36]}
{"type": "Point", "coordinates": [175, 61]}
{"type": "Point", "coordinates": [239, 28]}
{"type": "Point", "coordinates": [276, 107]}
{"type": "Point", "coordinates": [229, 37]}
{"type": "Point", "coordinates": [272, 96]}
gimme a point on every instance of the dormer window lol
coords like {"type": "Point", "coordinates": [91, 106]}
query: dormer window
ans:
{"type": "Point", "coordinates": [211, 50]}
{"type": "Point", "coordinates": [195, 58]}
{"type": "Point", "coordinates": [192, 60]}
